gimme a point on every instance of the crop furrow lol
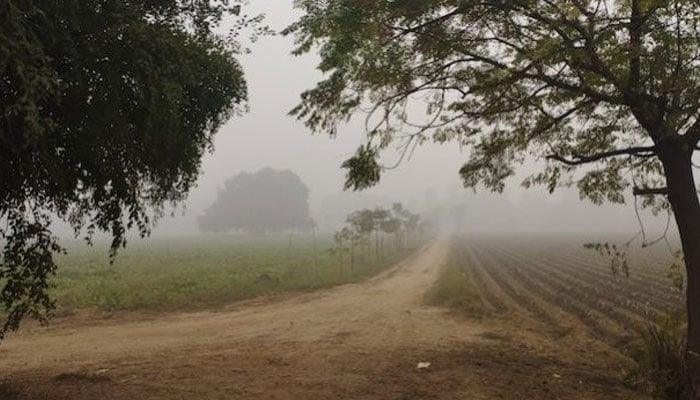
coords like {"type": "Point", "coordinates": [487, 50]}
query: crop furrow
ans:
{"type": "Point", "coordinates": [640, 294]}
{"type": "Point", "coordinates": [575, 290]}
{"type": "Point", "coordinates": [558, 299]}
{"type": "Point", "coordinates": [521, 297]}
{"type": "Point", "coordinates": [470, 264]}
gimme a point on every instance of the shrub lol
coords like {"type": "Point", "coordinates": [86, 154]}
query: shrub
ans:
{"type": "Point", "coordinates": [659, 359]}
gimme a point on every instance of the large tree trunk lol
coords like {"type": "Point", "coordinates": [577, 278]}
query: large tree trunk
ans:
{"type": "Point", "coordinates": [683, 196]}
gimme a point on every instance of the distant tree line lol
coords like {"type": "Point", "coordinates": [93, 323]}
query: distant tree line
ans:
{"type": "Point", "coordinates": [384, 229]}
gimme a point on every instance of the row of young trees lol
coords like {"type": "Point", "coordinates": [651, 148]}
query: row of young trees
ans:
{"type": "Point", "coordinates": [367, 227]}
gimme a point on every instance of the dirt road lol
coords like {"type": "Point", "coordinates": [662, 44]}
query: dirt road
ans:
{"type": "Point", "coordinates": [358, 341]}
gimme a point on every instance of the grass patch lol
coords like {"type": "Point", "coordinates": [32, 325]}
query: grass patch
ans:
{"type": "Point", "coordinates": [454, 289]}
{"type": "Point", "coordinates": [198, 273]}
{"type": "Point", "coordinates": [660, 365]}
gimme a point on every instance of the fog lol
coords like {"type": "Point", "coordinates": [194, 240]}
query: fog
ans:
{"type": "Point", "coordinates": [244, 290]}
{"type": "Point", "coordinates": [428, 183]}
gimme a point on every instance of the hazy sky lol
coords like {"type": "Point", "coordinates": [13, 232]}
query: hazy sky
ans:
{"type": "Point", "coordinates": [267, 136]}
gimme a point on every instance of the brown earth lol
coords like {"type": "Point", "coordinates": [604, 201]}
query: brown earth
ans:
{"type": "Point", "coordinates": [357, 341]}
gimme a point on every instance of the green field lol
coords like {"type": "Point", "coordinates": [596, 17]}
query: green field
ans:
{"type": "Point", "coordinates": [194, 273]}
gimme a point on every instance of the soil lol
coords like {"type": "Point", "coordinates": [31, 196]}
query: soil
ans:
{"type": "Point", "coordinates": [357, 341]}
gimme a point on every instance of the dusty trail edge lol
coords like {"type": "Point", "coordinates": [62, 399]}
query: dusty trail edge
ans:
{"type": "Point", "coordinates": [359, 340]}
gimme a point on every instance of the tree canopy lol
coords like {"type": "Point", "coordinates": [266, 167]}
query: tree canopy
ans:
{"type": "Point", "coordinates": [106, 109]}
{"type": "Point", "coordinates": [265, 201]}
{"type": "Point", "coordinates": [612, 84]}
{"type": "Point", "coordinates": [578, 81]}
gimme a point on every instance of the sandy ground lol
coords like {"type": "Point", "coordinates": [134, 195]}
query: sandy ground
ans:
{"type": "Point", "coordinates": [358, 341]}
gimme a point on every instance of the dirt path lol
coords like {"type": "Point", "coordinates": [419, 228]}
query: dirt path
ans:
{"type": "Point", "coordinates": [359, 341]}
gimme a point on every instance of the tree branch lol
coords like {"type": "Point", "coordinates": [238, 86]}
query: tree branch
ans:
{"type": "Point", "coordinates": [539, 76]}
{"type": "Point", "coordinates": [635, 33]}
{"type": "Point", "coordinates": [642, 151]}
{"type": "Point", "coordinates": [693, 135]}
{"type": "Point", "coordinates": [643, 191]}
{"type": "Point", "coordinates": [403, 31]}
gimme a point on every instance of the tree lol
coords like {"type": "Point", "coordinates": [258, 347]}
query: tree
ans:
{"type": "Point", "coordinates": [345, 241]}
{"type": "Point", "coordinates": [107, 108]}
{"type": "Point", "coordinates": [362, 224]}
{"type": "Point", "coordinates": [408, 222]}
{"type": "Point", "coordinates": [265, 201]}
{"type": "Point", "coordinates": [341, 246]}
{"type": "Point", "coordinates": [380, 217]}
{"type": "Point", "coordinates": [610, 84]}
{"type": "Point", "coordinates": [391, 225]}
